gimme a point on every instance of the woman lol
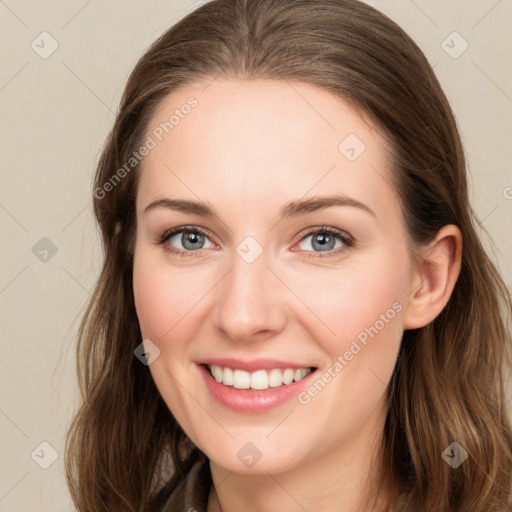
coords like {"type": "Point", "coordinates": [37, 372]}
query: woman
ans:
{"type": "Point", "coordinates": [295, 311]}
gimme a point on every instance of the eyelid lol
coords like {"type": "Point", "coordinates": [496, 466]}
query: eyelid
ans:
{"type": "Point", "coordinates": [343, 235]}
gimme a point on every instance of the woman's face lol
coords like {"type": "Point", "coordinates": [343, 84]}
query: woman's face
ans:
{"type": "Point", "coordinates": [263, 293]}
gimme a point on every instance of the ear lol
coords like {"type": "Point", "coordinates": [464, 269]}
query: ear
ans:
{"type": "Point", "coordinates": [434, 277]}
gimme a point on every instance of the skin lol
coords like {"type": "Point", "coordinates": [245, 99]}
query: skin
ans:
{"type": "Point", "coordinates": [248, 148]}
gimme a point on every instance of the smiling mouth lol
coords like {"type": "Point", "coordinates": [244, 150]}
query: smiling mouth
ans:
{"type": "Point", "coordinates": [258, 380]}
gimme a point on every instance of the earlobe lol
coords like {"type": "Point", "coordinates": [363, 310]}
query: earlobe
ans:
{"type": "Point", "coordinates": [433, 281]}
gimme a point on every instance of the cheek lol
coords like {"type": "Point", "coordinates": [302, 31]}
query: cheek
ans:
{"type": "Point", "coordinates": [164, 306]}
{"type": "Point", "coordinates": [163, 296]}
{"type": "Point", "coordinates": [352, 300]}
{"type": "Point", "coordinates": [359, 325]}
{"type": "Point", "coordinates": [151, 301]}
{"type": "Point", "coordinates": [365, 311]}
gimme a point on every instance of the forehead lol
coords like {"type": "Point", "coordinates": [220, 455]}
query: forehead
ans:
{"type": "Point", "coordinates": [262, 139]}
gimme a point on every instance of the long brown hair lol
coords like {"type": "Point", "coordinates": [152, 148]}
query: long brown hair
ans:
{"type": "Point", "coordinates": [448, 384]}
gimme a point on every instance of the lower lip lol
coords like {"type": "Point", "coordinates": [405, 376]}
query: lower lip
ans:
{"type": "Point", "coordinates": [244, 400]}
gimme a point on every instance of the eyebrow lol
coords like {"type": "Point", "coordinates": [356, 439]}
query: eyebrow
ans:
{"type": "Point", "coordinates": [292, 209]}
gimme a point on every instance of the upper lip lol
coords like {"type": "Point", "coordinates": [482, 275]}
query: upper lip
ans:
{"type": "Point", "coordinates": [251, 366]}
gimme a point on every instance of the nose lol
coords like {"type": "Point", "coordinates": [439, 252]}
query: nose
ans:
{"type": "Point", "coordinates": [250, 302]}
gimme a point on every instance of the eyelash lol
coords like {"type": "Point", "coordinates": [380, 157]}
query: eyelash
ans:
{"type": "Point", "coordinates": [348, 242]}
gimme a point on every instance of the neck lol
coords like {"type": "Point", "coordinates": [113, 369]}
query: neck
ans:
{"type": "Point", "coordinates": [346, 479]}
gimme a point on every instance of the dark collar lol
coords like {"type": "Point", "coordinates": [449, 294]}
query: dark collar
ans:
{"type": "Point", "coordinates": [191, 492]}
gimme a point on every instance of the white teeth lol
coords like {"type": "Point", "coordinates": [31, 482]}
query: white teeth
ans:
{"type": "Point", "coordinates": [288, 376]}
{"type": "Point", "coordinates": [275, 378]}
{"type": "Point", "coordinates": [258, 380]}
{"type": "Point", "coordinates": [299, 374]}
{"type": "Point", "coordinates": [241, 379]}
{"type": "Point", "coordinates": [227, 377]}
{"type": "Point", "coordinates": [217, 373]}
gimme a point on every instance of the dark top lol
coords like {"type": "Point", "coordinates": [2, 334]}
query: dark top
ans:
{"type": "Point", "coordinates": [191, 493]}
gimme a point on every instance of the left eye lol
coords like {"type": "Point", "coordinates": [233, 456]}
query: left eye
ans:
{"type": "Point", "coordinates": [324, 241]}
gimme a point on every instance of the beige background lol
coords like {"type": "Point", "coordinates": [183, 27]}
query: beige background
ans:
{"type": "Point", "coordinates": [55, 115]}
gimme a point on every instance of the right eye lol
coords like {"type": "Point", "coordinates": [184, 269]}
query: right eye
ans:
{"type": "Point", "coordinates": [191, 238]}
